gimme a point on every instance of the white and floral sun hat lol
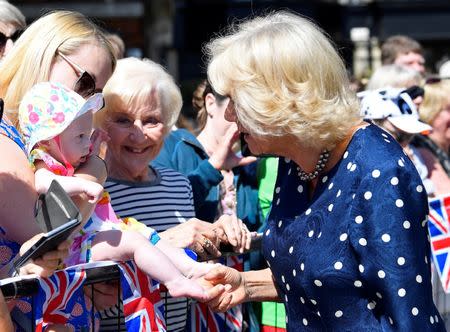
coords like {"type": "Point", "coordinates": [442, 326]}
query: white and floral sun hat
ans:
{"type": "Point", "coordinates": [48, 108]}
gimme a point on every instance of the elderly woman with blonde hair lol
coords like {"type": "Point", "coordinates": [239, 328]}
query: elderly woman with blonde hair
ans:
{"type": "Point", "coordinates": [142, 102]}
{"type": "Point", "coordinates": [346, 241]}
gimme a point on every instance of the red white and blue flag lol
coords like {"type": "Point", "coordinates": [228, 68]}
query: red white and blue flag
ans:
{"type": "Point", "coordinates": [142, 305]}
{"type": "Point", "coordinates": [203, 319]}
{"type": "Point", "coordinates": [57, 297]}
{"type": "Point", "coordinates": [439, 228]}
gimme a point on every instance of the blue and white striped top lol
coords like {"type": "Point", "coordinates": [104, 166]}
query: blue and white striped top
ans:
{"type": "Point", "coordinates": [161, 204]}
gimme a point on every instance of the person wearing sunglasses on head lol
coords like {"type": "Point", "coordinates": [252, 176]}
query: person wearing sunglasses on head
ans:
{"type": "Point", "coordinates": [63, 47]}
{"type": "Point", "coordinates": [12, 24]}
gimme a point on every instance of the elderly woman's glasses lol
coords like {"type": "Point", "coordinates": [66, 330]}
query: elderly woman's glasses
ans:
{"type": "Point", "coordinates": [85, 84]}
{"type": "Point", "coordinates": [4, 38]}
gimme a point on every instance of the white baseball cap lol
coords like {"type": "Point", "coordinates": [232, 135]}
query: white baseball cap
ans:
{"type": "Point", "coordinates": [396, 106]}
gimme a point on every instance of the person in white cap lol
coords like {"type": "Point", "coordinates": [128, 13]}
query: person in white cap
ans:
{"type": "Point", "coordinates": [394, 110]}
{"type": "Point", "coordinates": [57, 124]}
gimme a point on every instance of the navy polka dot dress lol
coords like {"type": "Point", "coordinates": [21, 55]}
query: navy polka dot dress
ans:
{"type": "Point", "coordinates": [355, 256]}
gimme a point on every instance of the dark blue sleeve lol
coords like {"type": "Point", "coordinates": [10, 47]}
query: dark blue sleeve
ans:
{"type": "Point", "coordinates": [202, 176]}
{"type": "Point", "coordinates": [388, 233]}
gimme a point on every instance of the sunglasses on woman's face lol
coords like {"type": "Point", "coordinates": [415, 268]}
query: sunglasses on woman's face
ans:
{"type": "Point", "coordinates": [4, 38]}
{"type": "Point", "coordinates": [85, 84]}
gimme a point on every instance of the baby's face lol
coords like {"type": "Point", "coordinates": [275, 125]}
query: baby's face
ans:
{"type": "Point", "coordinates": [75, 141]}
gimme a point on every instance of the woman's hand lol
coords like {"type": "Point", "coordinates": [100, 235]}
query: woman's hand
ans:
{"type": "Point", "coordinates": [45, 265]}
{"type": "Point", "coordinates": [224, 157]}
{"type": "Point", "coordinates": [222, 299]}
{"type": "Point", "coordinates": [195, 234]}
{"type": "Point", "coordinates": [232, 230]}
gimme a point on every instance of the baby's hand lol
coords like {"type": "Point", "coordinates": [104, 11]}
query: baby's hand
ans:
{"type": "Point", "coordinates": [97, 138]}
{"type": "Point", "coordinates": [93, 190]}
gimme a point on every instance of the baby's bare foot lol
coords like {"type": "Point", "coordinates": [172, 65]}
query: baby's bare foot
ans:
{"type": "Point", "coordinates": [184, 287]}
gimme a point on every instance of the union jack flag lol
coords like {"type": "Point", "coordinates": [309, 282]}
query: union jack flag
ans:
{"type": "Point", "coordinates": [57, 297]}
{"type": "Point", "coordinates": [142, 305]}
{"type": "Point", "coordinates": [203, 319]}
{"type": "Point", "coordinates": [439, 228]}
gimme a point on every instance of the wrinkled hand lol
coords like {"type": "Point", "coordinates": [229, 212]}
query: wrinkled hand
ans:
{"type": "Point", "coordinates": [196, 235]}
{"type": "Point", "coordinates": [233, 292]}
{"type": "Point", "coordinates": [45, 265]}
{"type": "Point", "coordinates": [223, 157]}
{"type": "Point", "coordinates": [232, 230]}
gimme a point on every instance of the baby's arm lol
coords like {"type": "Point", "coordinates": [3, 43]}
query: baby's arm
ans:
{"type": "Point", "coordinates": [71, 185]}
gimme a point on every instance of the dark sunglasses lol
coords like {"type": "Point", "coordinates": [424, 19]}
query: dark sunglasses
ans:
{"type": "Point", "coordinates": [436, 79]}
{"type": "Point", "coordinates": [4, 38]}
{"type": "Point", "coordinates": [85, 84]}
{"type": "Point", "coordinates": [415, 91]}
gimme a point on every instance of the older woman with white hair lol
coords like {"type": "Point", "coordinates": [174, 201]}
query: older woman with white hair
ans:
{"type": "Point", "coordinates": [12, 24]}
{"type": "Point", "coordinates": [142, 102]}
{"type": "Point", "coordinates": [346, 241]}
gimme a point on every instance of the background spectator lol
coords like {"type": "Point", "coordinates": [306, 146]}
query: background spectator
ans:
{"type": "Point", "coordinates": [12, 24]}
{"type": "Point", "coordinates": [405, 51]}
{"type": "Point", "coordinates": [142, 104]}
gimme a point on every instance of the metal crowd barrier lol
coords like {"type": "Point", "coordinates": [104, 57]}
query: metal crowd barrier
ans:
{"type": "Point", "coordinates": [29, 287]}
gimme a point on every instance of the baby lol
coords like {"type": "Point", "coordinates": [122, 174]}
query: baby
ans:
{"type": "Point", "coordinates": [57, 124]}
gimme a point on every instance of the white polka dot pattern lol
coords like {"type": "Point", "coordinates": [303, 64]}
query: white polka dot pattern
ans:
{"type": "Point", "coordinates": [371, 204]}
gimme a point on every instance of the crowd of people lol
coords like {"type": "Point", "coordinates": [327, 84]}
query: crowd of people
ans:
{"type": "Point", "coordinates": [338, 182]}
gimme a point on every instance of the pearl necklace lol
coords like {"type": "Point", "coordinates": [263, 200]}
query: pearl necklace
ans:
{"type": "Point", "coordinates": [323, 158]}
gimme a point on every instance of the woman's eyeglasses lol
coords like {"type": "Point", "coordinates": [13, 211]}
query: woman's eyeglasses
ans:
{"type": "Point", "coordinates": [85, 84]}
{"type": "Point", "coordinates": [4, 38]}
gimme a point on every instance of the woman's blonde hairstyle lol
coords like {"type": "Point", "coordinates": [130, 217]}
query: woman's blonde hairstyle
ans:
{"type": "Point", "coordinates": [10, 14]}
{"type": "Point", "coordinates": [437, 96]}
{"type": "Point", "coordinates": [135, 79]}
{"type": "Point", "coordinates": [285, 77]}
{"type": "Point", "coordinates": [31, 59]}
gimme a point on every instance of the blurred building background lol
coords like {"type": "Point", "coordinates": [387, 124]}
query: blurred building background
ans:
{"type": "Point", "coordinates": [172, 32]}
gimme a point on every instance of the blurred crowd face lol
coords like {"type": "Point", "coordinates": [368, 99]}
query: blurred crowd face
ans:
{"type": "Point", "coordinates": [441, 123]}
{"type": "Point", "coordinates": [411, 60]}
{"type": "Point", "coordinates": [216, 110]}
{"type": "Point", "coordinates": [91, 58]}
{"type": "Point", "coordinates": [136, 136]}
{"type": "Point", "coordinates": [8, 35]}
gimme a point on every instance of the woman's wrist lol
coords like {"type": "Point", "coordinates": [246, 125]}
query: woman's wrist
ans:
{"type": "Point", "coordinates": [259, 286]}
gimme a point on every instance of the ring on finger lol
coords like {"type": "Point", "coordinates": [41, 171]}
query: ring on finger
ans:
{"type": "Point", "coordinates": [207, 243]}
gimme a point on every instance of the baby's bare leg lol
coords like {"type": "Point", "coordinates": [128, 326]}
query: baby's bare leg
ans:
{"type": "Point", "coordinates": [183, 262]}
{"type": "Point", "coordinates": [120, 246]}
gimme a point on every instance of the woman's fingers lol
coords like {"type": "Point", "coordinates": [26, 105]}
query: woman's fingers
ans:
{"type": "Point", "coordinates": [246, 161]}
{"type": "Point", "coordinates": [228, 226]}
{"type": "Point", "coordinates": [210, 245]}
{"type": "Point", "coordinates": [237, 229]}
{"type": "Point", "coordinates": [217, 275]}
{"type": "Point", "coordinates": [225, 303]}
{"type": "Point", "coordinates": [214, 293]}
